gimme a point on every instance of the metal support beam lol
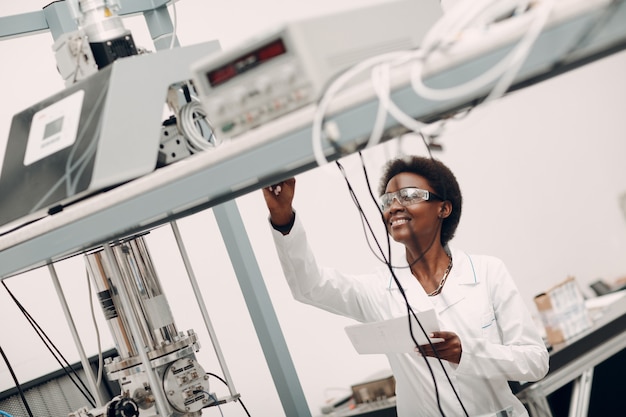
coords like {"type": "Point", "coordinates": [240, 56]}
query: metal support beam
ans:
{"type": "Point", "coordinates": [161, 28]}
{"type": "Point", "coordinates": [38, 21]}
{"type": "Point", "coordinates": [91, 380]}
{"type": "Point", "coordinates": [202, 305]}
{"type": "Point", "coordinates": [261, 311]}
{"type": "Point", "coordinates": [22, 24]}
{"type": "Point", "coordinates": [131, 7]}
{"type": "Point", "coordinates": [59, 19]}
{"type": "Point", "coordinates": [581, 394]}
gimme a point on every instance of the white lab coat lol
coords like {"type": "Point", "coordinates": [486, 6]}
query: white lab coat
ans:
{"type": "Point", "coordinates": [479, 302]}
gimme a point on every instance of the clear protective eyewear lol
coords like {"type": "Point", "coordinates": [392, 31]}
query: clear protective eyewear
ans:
{"type": "Point", "coordinates": [407, 196]}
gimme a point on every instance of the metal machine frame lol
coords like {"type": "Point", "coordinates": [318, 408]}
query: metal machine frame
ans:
{"type": "Point", "coordinates": [574, 361]}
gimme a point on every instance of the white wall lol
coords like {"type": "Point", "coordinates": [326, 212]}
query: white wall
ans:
{"type": "Point", "coordinates": [541, 171]}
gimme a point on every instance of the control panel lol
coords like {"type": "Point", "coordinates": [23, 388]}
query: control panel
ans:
{"type": "Point", "coordinates": [290, 67]}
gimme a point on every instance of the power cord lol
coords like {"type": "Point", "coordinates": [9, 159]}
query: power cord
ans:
{"type": "Point", "coordinates": [17, 385]}
{"type": "Point", "coordinates": [225, 383]}
{"type": "Point", "coordinates": [71, 373]}
{"type": "Point", "coordinates": [191, 120]}
{"type": "Point", "coordinates": [387, 261]}
{"type": "Point", "coordinates": [445, 32]}
{"type": "Point", "coordinates": [190, 116]}
{"type": "Point", "coordinates": [215, 400]}
{"type": "Point", "coordinates": [409, 308]}
{"type": "Point", "coordinates": [329, 94]}
{"type": "Point", "coordinates": [465, 16]}
{"type": "Point", "coordinates": [175, 25]}
{"type": "Point", "coordinates": [410, 311]}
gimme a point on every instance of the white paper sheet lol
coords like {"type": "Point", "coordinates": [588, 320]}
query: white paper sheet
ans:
{"type": "Point", "coordinates": [393, 336]}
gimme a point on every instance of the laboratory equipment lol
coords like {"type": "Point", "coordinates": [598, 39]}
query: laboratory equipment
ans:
{"type": "Point", "coordinates": [290, 66]}
{"type": "Point", "coordinates": [100, 39]}
{"type": "Point", "coordinates": [106, 127]}
{"type": "Point", "coordinates": [142, 324]}
{"type": "Point", "coordinates": [99, 132]}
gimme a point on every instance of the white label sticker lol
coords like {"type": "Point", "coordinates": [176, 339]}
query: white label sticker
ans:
{"type": "Point", "coordinates": [54, 128]}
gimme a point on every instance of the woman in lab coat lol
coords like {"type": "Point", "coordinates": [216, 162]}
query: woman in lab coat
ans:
{"type": "Point", "coordinates": [488, 334]}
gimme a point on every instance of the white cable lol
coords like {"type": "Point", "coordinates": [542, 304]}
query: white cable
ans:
{"type": "Point", "coordinates": [442, 35]}
{"type": "Point", "coordinates": [475, 13]}
{"type": "Point", "coordinates": [446, 29]}
{"type": "Point", "coordinates": [334, 88]}
{"type": "Point", "coordinates": [380, 83]}
{"type": "Point", "coordinates": [504, 65]}
{"type": "Point", "coordinates": [174, 25]}
{"type": "Point", "coordinates": [186, 122]}
{"type": "Point", "coordinates": [382, 92]}
{"type": "Point", "coordinates": [543, 13]}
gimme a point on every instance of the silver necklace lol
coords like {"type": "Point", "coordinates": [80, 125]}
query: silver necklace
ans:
{"type": "Point", "coordinates": [443, 280]}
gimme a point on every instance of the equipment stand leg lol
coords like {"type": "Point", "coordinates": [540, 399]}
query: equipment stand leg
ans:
{"type": "Point", "coordinates": [261, 310]}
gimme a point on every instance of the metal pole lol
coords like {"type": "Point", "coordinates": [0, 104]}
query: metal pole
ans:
{"type": "Point", "coordinates": [70, 322]}
{"type": "Point", "coordinates": [581, 394]}
{"type": "Point", "coordinates": [261, 311]}
{"type": "Point", "coordinates": [161, 28]}
{"type": "Point", "coordinates": [163, 406]}
{"type": "Point", "coordinates": [203, 310]}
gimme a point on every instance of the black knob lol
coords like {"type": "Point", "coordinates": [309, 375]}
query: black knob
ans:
{"type": "Point", "coordinates": [124, 407]}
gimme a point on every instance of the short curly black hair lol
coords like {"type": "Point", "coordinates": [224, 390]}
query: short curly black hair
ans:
{"type": "Point", "coordinates": [440, 178]}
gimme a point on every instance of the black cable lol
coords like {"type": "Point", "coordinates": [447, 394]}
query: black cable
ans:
{"type": "Point", "coordinates": [225, 383]}
{"type": "Point", "coordinates": [17, 384]}
{"type": "Point", "coordinates": [410, 311]}
{"type": "Point", "coordinates": [214, 398]}
{"type": "Point", "coordinates": [186, 93]}
{"type": "Point", "coordinates": [387, 261]}
{"type": "Point", "coordinates": [50, 345]}
{"type": "Point", "coordinates": [409, 308]}
{"type": "Point", "coordinates": [430, 155]}
{"type": "Point", "coordinates": [365, 221]}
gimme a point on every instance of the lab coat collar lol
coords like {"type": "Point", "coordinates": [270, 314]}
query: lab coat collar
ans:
{"type": "Point", "coordinates": [461, 275]}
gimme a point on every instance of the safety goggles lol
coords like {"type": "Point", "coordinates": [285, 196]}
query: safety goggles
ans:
{"type": "Point", "coordinates": [407, 196]}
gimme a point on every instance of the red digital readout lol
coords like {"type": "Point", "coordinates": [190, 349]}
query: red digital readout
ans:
{"type": "Point", "coordinates": [272, 50]}
{"type": "Point", "coordinates": [244, 63]}
{"type": "Point", "coordinates": [222, 74]}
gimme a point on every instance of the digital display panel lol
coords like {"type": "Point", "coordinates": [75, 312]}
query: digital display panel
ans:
{"type": "Point", "coordinates": [245, 62]}
{"type": "Point", "coordinates": [53, 127]}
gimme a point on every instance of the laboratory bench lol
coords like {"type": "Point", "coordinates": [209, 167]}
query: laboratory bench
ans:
{"type": "Point", "coordinates": [586, 371]}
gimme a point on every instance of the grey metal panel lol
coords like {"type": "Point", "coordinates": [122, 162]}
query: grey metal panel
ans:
{"type": "Point", "coordinates": [118, 135]}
